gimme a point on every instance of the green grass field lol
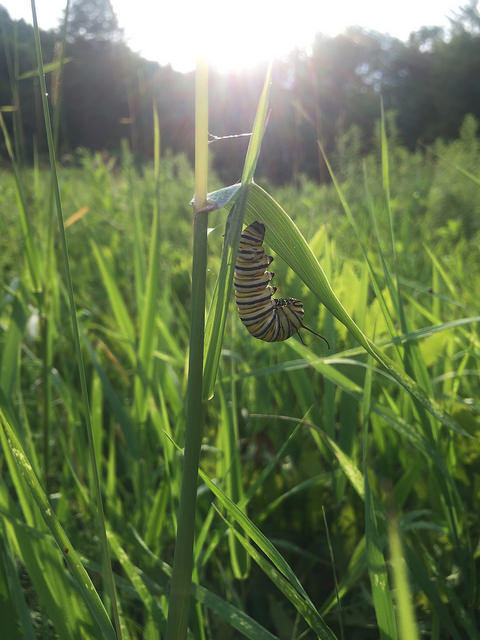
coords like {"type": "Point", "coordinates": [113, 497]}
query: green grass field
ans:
{"type": "Point", "coordinates": [311, 458]}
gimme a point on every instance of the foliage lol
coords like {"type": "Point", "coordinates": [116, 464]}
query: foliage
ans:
{"type": "Point", "coordinates": [299, 411]}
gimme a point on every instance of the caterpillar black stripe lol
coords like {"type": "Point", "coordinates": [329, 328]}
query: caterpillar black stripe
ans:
{"type": "Point", "coordinates": [266, 318]}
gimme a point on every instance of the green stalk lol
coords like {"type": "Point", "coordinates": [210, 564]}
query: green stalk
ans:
{"type": "Point", "coordinates": [47, 329]}
{"type": "Point", "coordinates": [183, 558]}
{"type": "Point", "coordinates": [76, 333]}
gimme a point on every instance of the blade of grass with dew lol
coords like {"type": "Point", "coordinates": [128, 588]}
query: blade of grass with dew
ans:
{"type": "Point", "coordinates": [285, 238]}
{"type": "Point", "coordinates": [406, 619]}
{"type": "Point", "coordinates": [178, 610]}
{"type": "Point", "coordinates": [217, 315]}
{"type": "Point", "coordinates": [82, 579]}
{"type": "Point", "coordinates": [377, 568]}
{"type": "Point", "coordinates": [74, 321]}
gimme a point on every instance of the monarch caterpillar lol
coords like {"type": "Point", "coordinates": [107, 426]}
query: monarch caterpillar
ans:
{"type": "Point", "coordinates": [266, 318]}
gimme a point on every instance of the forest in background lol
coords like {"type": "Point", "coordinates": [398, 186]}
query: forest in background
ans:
{"type": "Point", "coordinates": [428, 84]}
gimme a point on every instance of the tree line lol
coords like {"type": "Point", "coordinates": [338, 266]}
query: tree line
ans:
{"type": "Point", "coordinates": [108, 92]}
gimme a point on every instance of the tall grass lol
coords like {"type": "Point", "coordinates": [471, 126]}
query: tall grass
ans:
{"type": "Point", "coordinates": [294, 436]}
{"type": "Point", "coordinates": [183, 559]}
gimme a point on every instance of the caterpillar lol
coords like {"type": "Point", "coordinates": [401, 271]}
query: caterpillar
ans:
{"type": "Point", "coordinates": [266, 318]}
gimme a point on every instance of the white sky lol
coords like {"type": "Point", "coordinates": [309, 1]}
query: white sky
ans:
{"type": "Point", "coordinates": [239, 34]}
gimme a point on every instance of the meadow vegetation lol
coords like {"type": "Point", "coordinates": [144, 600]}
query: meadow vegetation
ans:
{"type": "Point", "coordinates": [321, 449]}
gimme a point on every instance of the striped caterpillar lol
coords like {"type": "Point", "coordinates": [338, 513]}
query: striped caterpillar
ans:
{"type": "Point", "coordinates": [266, 318]}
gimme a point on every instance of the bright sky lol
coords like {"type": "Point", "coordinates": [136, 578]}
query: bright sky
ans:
{"type": "Point", "coordinates": [239, 34]}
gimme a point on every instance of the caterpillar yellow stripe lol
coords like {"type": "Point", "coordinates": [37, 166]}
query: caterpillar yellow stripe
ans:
{"type": "Point", "coordinates": [266, 318]}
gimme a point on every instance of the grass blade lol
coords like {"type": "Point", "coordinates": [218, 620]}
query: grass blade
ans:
{"type": "Point", "coordinates": [73, 560]}
{"type": "Point", "coordinates": [217, 315]}
{"type": "Point", "coordinates": [183, 559]}
{"type": "Point", "coordinates": [406, 618]}
{"type": "Point", "coordinates": [74, 321]}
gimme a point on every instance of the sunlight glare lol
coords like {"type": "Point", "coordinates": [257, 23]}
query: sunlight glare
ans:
{"type": "Point", "coordinates": [236, 36]}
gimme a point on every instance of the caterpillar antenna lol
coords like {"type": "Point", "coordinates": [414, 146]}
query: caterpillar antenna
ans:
{"type": "Point", "coordinates": [316, 334]}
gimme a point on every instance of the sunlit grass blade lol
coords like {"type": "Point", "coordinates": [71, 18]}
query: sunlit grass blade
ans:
{"type": "Point", "coordinates": [81, 577]}
{"type": "Point", "coordinates": [178, 610]}
{"type": "Point", "coordinates": [74, 321]}
{"type": "Point", "coordinates": [258, 131]}
{"type": "Point", "coordinates": [386, 181]}
{"type": "Point", "coordinates": [217, 315]}
{"type": "Point", "coordinates": [377, 568]}
{"type": "Point", "coordinates": [147, 330]}
{"type": "Point", "coordinates": [139, 260]}
{"type": "Point", "coordinates": [230, 469]}
{"type": "Point", "coordinates": [406, 618]}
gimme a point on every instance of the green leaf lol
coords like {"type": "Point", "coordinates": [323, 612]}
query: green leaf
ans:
{"type": "Point", "coordinates": [47, 68]}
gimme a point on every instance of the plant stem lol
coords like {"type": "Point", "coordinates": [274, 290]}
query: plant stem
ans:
{"type": "Point", "coordinates": [183, 559]}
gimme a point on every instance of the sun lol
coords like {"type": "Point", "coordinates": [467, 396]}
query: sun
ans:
{"type": "Point", "coordinates": [232, 36]}
{"type": "Point", "coordinates": [237, 36]}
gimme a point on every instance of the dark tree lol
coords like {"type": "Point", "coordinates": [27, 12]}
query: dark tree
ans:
{"type": "Point", "coordinates": [93, 20]}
